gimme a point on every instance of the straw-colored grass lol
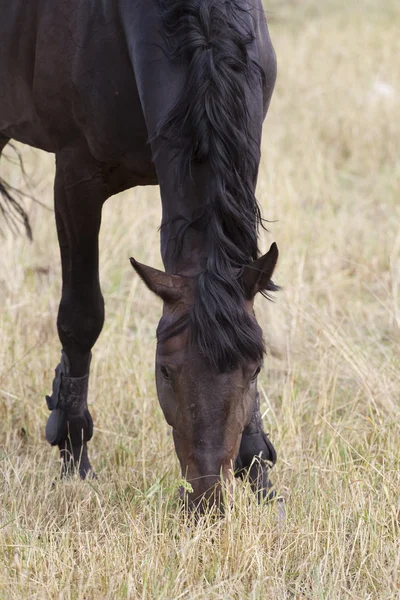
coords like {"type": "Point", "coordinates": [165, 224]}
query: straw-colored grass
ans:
{"type": "Point", "coordinates": [330, 181]}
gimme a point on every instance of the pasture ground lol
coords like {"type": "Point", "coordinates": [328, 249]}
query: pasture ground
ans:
{"type": "Point", "coordinates": [330, 182]}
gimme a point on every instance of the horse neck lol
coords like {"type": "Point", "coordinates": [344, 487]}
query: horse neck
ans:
{"type": "Point", "coordinates": [184, 254]}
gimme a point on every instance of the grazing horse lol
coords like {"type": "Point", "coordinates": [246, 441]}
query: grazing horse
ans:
{"type": "Point", "coordinates": [146, 92]}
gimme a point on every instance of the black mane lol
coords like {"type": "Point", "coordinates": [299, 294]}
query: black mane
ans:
{"type": "Point", "coordinates": [211, 124]}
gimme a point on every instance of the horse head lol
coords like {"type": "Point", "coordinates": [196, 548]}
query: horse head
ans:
{"type": "Point", "coordinates": [207, 406]}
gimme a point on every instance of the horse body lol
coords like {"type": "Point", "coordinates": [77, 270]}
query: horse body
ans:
{"type": "Point", "coordinates": [111, 88]}
{"type": "Point", "coordinates": [69, 77]}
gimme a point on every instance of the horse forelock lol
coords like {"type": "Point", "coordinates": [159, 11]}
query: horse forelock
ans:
{"type": "Point", "coordinates": [212, 123]}
{"type": "Point", "coordinates": [224, 331]}
{"type": "Point", "coordinates": [222, 325]}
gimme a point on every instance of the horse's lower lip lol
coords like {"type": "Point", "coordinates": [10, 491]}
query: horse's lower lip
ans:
{"type": "Point", "coordinates": [214, 497]}
{"type": "Point", "coordinates": [199, 507]}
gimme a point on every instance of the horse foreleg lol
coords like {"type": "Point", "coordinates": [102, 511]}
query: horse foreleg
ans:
{"type": "Point", "coordinates": [256, 455]}
{"type": "Point", "coordinates": [79, 194]}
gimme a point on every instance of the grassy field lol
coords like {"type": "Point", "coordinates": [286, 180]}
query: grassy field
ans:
{"type": "Point", "coordinates": [330, 182]}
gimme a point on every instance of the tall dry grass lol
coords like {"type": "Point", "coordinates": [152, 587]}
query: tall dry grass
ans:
{"type": "Point", "coordinates": [329, 181]}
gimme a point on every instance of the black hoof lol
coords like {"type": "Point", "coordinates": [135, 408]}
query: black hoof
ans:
{"type": "Point", "coordinates": [75, 460]}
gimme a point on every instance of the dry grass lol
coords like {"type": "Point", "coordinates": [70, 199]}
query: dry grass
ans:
{"type": "Point", "coordinates": [330, 178]}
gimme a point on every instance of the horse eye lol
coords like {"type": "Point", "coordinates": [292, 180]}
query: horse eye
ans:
{"type": "Point", "coordinates": [256, 373]}
{"type": "Point", "coordinates": [164, 372]}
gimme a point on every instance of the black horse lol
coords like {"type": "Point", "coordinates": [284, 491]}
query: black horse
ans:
{"type": "Point", "coordinates": [145, 92]}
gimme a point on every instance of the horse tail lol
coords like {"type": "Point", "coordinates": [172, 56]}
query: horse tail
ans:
{"type": "Point", "coordinates": [217, 120]}
{"type": "Point", "coordinates": [11, 208]}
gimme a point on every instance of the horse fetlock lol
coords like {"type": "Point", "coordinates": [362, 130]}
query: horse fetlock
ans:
{"type": "Point", "coordinates": [256, 457]}
{"type": "Point", "coordinates": [70, 417]}
{"type": "Point", "coordinates": [260, 483]}
{"type": "Point", "coordinates": [255, 446]}
{"type": "Point", "coordinates": [79, 428]}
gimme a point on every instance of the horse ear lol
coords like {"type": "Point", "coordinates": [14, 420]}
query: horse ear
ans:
{"type": "Point", "coordinates": [169, 288]}
{"type": "Point", "coordinates": [256, 277]}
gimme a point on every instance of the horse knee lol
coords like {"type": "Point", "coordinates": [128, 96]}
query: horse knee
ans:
{"type": "Point", "coordinates": [80, 325]}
